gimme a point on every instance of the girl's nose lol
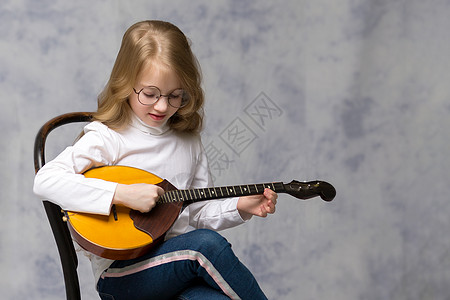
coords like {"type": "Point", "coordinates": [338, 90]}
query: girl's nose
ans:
{"type": "Point", "coordinates": [162, 103]}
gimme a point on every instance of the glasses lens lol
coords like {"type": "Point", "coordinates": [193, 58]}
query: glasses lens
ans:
{"type": "Point", "coordinates": [177, 98]}
{"type": "Point", "coordinates": [149, 95]}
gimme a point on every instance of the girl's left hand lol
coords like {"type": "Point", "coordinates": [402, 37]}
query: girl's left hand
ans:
{"type": "Point", "coordinates": [257, 205]}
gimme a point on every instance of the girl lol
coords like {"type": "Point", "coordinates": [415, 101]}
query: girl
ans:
{"type": "Point", "coordinates": [149, 116]}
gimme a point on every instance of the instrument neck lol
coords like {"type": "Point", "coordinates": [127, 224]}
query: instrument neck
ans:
{"type": "Point", "coordinates": [195, 195]}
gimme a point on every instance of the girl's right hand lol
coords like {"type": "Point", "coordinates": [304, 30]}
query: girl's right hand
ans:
{"type": "Point", "coordinates": [140, 196]}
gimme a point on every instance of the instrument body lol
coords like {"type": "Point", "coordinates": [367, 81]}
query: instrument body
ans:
{"type": "Point", "coordinates": [127, 233]}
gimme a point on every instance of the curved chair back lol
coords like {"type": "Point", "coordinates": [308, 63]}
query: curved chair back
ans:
{"type": "Point", "coordinates": [60, 230]}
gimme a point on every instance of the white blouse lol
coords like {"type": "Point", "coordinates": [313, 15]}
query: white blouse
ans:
{"type": "Point", "coordinates": [177, 157]}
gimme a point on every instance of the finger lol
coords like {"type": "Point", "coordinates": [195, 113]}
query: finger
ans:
{"type": "Point", "coordinates": [160, 191]}
{"type": "Point", "coordinates": [270, 208]}
{"type": "Point", "coordinates": [275, 199]}
{"type": "Point", "coordinates": [263, 211]}
{"type": "Point", "coordinates": [269, 194]}
{"type": "Point", "coordinates": [151, 205]}
{"type": "Point", "coordinates": [273, 209]}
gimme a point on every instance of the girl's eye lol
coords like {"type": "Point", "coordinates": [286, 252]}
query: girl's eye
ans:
{"type": "Point", "coordinates": [174, 97]}
{"type": "Point", "coordinates": [150, 95]}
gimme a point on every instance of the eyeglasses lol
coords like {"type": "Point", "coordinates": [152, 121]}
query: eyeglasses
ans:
{"type": "Point", "coordinates": [150, 95]}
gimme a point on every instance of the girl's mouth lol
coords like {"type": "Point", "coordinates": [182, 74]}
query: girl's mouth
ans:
{"type": "Point", "coordinates": [157, 117]}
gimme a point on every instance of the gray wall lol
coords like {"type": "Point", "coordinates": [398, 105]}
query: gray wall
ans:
{"type": "Point", "coordinates": [354, 92]}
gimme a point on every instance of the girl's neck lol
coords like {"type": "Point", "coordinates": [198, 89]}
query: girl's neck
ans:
{"type": "Point", "coordinates": [136, 122]}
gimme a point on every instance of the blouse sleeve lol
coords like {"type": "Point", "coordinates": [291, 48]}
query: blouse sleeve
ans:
{"type": "Point", "coordinates": [61, 181]}
{"type": "Point", "coordinates": [213, 214]}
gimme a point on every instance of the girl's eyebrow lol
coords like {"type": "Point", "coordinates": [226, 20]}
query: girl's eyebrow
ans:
{"type": "Point", "coordinates": [154, 86]}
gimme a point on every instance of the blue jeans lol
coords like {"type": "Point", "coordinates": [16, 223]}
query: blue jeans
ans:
{"type": "Point", "coordinates": [197, 265]}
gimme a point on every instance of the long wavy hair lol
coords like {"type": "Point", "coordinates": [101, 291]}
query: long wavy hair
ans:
{"type": "Point", "coordinates": [145, 43]}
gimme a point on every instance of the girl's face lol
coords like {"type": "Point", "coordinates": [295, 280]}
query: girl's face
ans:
{"type": "Point", "coordinates": [167, 82]}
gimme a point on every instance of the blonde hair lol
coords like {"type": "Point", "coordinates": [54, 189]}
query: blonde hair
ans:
{"type": "Point", "coordinates": [143, 44]}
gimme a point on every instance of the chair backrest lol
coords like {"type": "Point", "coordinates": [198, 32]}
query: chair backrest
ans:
{"type": "Point", "coordinates": [60, 230]}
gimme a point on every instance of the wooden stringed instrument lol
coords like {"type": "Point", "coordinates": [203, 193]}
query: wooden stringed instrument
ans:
{"type": "Point", "coordinates": [127, 233]}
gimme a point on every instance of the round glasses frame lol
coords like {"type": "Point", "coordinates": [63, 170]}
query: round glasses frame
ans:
{"type": "Point", "coordinates": [155, 94]}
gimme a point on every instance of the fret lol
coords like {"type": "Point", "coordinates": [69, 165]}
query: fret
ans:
{"type": "Point", "coordinates": [201, 193]}
{"type": "Point", "coordinates": [251, 189]}
{"type": "Point", "coordinates": [212, 193]}
{"type": "Point", "coordinates": [274, 187]}
{"type": "Point", "coordinates": [177, 195]}
{"type": "Point", "coordinates": [162, 199]}
{"type": "Point", "coordinates": [230, 191]}
{"type": "Point", "coordinates": [248, 190]}
{"type": "Point", "coordinates": [279, 187]}
{"type": "Point", "coordinates": [244, 190]}
{"type": "Point", "coordinates": [208, 193]}
{"type": "Point", "coordinates": [167, 197]}
{"type": "Point", "coordinates": [269, 186]}
{"type": "Point", "coordinates": [261, 187]}
{"type": "Point", "coordinates": [170, 196]}
{"type": "Point", "coordinates": [173, 196]}
{"type": "Point", "coordinates": [196, 193]}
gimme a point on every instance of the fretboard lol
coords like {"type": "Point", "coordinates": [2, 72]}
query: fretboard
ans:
{"type": "Point", "coordinates": [195, 195]}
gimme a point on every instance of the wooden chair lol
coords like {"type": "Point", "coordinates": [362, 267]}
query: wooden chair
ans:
{"type": "Point", "coordinates": [60, 230]}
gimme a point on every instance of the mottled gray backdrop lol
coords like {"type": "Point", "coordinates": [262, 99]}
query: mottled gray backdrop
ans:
{"type": "Point", "coordinates": [354, 92]}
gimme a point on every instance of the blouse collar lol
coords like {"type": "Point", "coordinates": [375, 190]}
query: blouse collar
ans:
{"type": "Point", "coordinates": [137, 123]}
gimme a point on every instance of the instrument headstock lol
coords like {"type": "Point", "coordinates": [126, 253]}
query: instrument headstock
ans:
{"type": "Point", "coordinates": [306, 190]}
